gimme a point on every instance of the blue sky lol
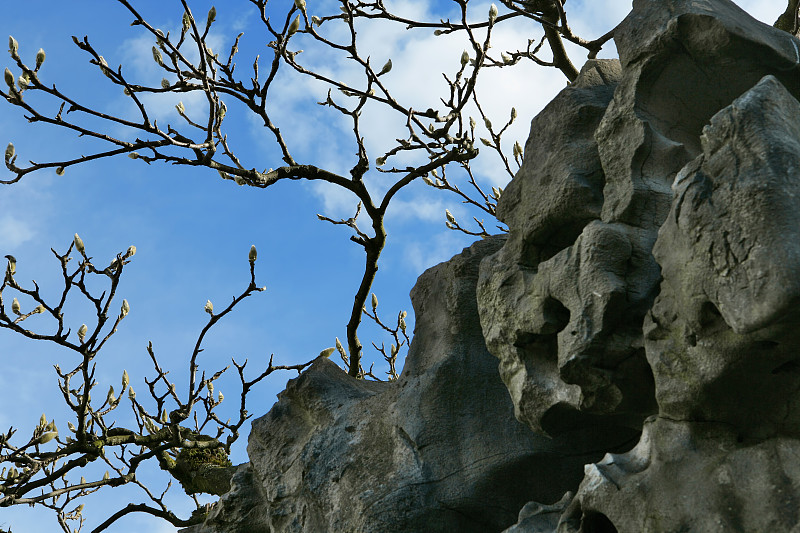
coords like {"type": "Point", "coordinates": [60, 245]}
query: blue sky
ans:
{"type": "Point", "coordinates": [193, 230]}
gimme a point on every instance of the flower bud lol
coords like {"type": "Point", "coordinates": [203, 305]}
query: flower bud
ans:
{"type": "Point", "coordinates": [212, 16]}
{"type": "Point", "coordinates": [48, 436]}
{"type": "Point", "coordinates": [492, 13]}
{"type": "Point", "coordinates": [340, 348]}
{"type": "Point", "coordinates": [427, 180]}
{"type": "Point", "coordinates": [486, 142]}
{"type": "Point", "coordinates": [316, 20]}
{"type": "Point", "coordinates": [186, 22]}
{"type": "Point", "coordinates": [82, 332]}
{"type": "Point", "coordinates": [72, 427]}
{"type": "Point", "coordinates": [253, 255]}
{"type": "Point", "coordinates": [301, 5]}
{"type": "Point", "coordinates": [133, 155]}
{"type": "Point", "coordinates": [327, 352]}
{"type": "Point", "coordinates": [106, 476]}
{"type": "Point", "coordinates": [517, 149]}
{"type": "Point", "coordinates": [210, 387]}
{"type": "Point", "coordinates": [487, 123]}
{"type": "Point", "coordinates": [15, 307]}
{"type": "Point", "coordinates": [450, 217]}
{"type": "Point", "coordinates": [386, 68]}
{"type": "Point", "coordinates": [79, 244]}
{"type": "Point", "coordinates": [9, 78]}
{"type": "Point", "coordinates": [110, 396]}
{"type": "Point", "coordinates": [220, 397]}
{"type": "Point", "coordinates": [464, 58]}
{"type": "Point", "coordinates": [181, 109]}
{"type": "Point", "coordinates": [209, 307]}
{"type": "Point", "coordinates": [380, 161]}
{"type": "Point", "coordinates": [10, 151]}
{"type": "Point", "coordinates": [39, 58]}
{"type": "Point", "coordinates": [374, 302]}
{"type": "Point", "coordinates": [472, 123]}
{"type": "Point", "coordinates": [294, 26]}
{"type": "Point", "coordinates": [506, 58]}
{"type": "Point", "coordinates": [126, 307]}
{"type": "Point", "coordinates": [513, 114]}
{"type": "Point", "coordinates": [157, 56]}
{"type": "Point", "coordinates": [13, 46]}
{"type": "Point", "coordinates": [165, 84]}
{"type": "Point", "coordinates": [60, 171]}
{"type": "Point", "coordinates": [131, 251]}
{"type": "Point", "coordinates": [39, 309]}
{"type": "Point", "coordinates": [125, 379]}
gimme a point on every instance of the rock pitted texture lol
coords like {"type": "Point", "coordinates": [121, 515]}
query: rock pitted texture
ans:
{"type": "Point", "coordinates": [438, 450]}
{"type": "Point", "coordinates": [648, 291]}
{"type": "Point", "coordinates": [677, 280]}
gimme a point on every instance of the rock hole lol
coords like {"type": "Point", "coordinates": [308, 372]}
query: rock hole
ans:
{"type": "Point", "coordinates": [709, 313]}
{"type": "Point", "coordinates": [595, 522]}
{"type": "Point", "coordinates": [555, 315]}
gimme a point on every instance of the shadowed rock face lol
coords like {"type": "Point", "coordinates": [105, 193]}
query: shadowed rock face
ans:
{"type": "Point", "coordinates": [648, 290]}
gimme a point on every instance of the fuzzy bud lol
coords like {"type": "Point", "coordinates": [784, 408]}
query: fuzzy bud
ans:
{"type": "Point", "coordinates": [157, 56]}
{"type": "Point", "coordinates": [131, 394]}
{"type": "Point", "coordinates": [180, 107]}
{"type": "Point", "coordinates": [10, 151]}
{"type": "Point", "coordinates": [374, 302]}
{"type": "Point", "coordinates": [380, 161]}
{"type": "Point", "coordinates": [9, 78]}
{"type": "Point", "coordinates": [79, 244]}
{"type": "Point", "coordinates": [165, 84]}
{"type": "Point", "coordinates": [253, 254]}
{"type": "Point", "coordinates": [294, 26]}
{"type": "Point", "coordinates": [316, 20]}
{"type": "Point", "coordinates": [386, 68]}
{"type": "Point", "coordinates": [506, 58]}
{"type": "Point", "coordinates": [40, 55]}
{"type": "Point", "coordinates": [450, 217]}
{"type": "Point", "coordinates": [339, 347]}
{"type": "Point", "coordinates": [48, 436]}
{"type": "Point", "coordinates": [327, 352]}
{"type": "Point", "coordinates": [464, 58]}
{"type": "Point", "coordinates": [301, 5]}
{"type": "Point", "coordinates": [106, 476]}
{"type": "Point", "coordinates": [212, 16]}
{"type": "Point", "coordinates": [209, 308]}
{"type": "Point", "coordinates": [124, 310]}
{"type": "Point", "coordinates": [131, 251]}
{"type": "Point", "coordinates": [82, 332]}
{"type": "Point", "coordinates": [60, 171]}
{"type": "Point", "coordinates": [39, 309]}
{"type": "Point", "coordinates": [513, 114]}
{"type": "Point", "coordinates": [125, 379]}
{"type": "Point", "coordinates": [110, 396]}
{"type": "Point", "coordinates": [15, 307]}
{"type": "Point", "coordinates": [13, 46]}
{"type": "Point", "coordinates": [220, 397]}
{"type": "Point", "coordinates": [492, 13]}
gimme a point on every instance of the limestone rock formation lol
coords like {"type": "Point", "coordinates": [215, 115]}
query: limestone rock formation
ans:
{"type": "Point", "coordinates": [648, 291]}
{"type": "Point", "coordinates": [682, 287]}
{"type": "Point", "coordinates": [438, 450]}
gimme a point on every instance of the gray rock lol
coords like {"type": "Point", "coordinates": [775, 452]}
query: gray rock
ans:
{"type": "Point", "coordinates": [690, 476]}
{"type": "Point", "coordinates": [437, 451]}
{"type": "Point", "coordinates": [563, 302]}
{"type": "Point", "coordinates": [723, 336]}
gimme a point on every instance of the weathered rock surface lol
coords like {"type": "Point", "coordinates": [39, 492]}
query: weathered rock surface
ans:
{"type": "Point", "coordinates": [437, 451]}
{"type": "Point", "coordinates": [648, 291]}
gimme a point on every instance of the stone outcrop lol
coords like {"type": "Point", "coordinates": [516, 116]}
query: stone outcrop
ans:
{"type": "Point", "coordinates": [648, 291]}
{"type": "Point", "coordinates": [672, 292]}
{"type": "Point", "coordinates": [439, 450]}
